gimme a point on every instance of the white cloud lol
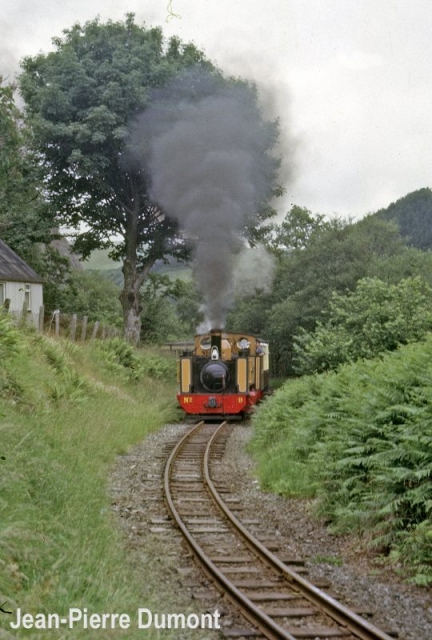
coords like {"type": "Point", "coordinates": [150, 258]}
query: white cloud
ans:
{"type": "Point", "coordinates": [352, 79]}
{"type": "Point", "coordinates": [359, 60]}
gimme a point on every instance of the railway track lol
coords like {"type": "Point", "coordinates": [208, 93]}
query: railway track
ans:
{"type": "Point", "coordinates": [275, 600]}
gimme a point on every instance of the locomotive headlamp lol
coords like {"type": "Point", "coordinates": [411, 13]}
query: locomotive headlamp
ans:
{"type": "Point", "coordinates": [214, 353]}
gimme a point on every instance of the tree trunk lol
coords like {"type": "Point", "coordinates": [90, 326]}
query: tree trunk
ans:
{"type": "Point", "coordinates": [131, 299]}
{"type": "Point", "coordinates": [134, 277]}
{"type": "Point", "coordinates": [131, 316]}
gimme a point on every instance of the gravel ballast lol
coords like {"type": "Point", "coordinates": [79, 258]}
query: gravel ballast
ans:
{"type": "Point", "coordinates": [158, 551]}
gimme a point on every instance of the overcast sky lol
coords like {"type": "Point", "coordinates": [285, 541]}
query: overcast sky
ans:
{"type": "Point", "coordinates": [351, 80]}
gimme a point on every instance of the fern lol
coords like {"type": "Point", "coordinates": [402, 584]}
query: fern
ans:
{"type": "Point", "coordinates": [362, 439]}
{"type": "Point", "coordinates": [9, 336]}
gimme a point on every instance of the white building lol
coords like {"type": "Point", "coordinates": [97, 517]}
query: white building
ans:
{"type": "Point", "coordinates": [19, 284]}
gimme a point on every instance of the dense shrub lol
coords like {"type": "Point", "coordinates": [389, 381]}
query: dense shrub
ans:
{"type": "Point", "coordinates": [374, 318]}
{"type": "Point", "coordinates": [361, 441]}
{"type": "Point", "coordinates": [120, 356]}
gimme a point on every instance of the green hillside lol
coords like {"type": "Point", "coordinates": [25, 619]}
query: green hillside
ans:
{"type": "Point", "coordinates": [413, 214]}
{"type": "Point", "coordinates": [99, 261]}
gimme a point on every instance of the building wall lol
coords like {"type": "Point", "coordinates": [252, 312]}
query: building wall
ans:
{"type": "Point", "coordinates": [17, 292]}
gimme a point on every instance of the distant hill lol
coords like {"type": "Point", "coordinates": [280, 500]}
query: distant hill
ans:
{"type": "Point", "coordinates": [99, 261]}
{"type": "Point", "coordinates": [413, 214]}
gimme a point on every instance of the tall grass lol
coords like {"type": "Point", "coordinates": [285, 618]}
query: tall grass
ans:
{"type": "Point", "coordinates": [360, 440]}
{"type": "Point", "coordinates": [64, 416]}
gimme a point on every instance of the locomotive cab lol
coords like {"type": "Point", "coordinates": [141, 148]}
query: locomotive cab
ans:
{"type": "Point", "coordinates": [226, 375]}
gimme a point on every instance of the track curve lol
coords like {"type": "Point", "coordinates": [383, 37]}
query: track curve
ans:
{"type": "Point", "coordinates": [227, 552]}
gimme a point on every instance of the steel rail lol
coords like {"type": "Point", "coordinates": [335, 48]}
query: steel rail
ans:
{"type": "Point", "coordinates": [257, 617]}
{"type": "Point", "coordinates": [358, 626]}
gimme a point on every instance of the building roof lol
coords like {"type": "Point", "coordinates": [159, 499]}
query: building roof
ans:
{"type": "Point", "coordinates": [13, 268]}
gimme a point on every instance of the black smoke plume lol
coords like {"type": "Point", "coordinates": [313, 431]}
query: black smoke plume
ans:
{"type": "Point", "coordinates": [207, 152]}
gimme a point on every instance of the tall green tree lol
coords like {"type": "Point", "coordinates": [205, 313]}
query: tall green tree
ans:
{"type": "Point", "coordinates": [24, 218]}
{"type": "Point", "coordinates": [80, 99]}
{"type": "Point", "coordinates": [83, 99]}
{"type": "Point", "coordinates": [333, 260]}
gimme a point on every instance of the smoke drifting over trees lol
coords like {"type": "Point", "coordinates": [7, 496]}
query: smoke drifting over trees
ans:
{"type": "Point", "coordinates": [207, 152]}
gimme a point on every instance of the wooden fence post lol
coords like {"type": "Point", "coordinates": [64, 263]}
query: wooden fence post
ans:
{"type": "Point", "coordinates": [73, 326]}
{"type": "Point", "coordinates": [95, 330]}
{"type": "Point", "coordinates": [24, 313]}
{"type": "Point", "coordinates": [41, 318]}
{"type": "Point", "coordinates": [84, 328]}
{"type": "Point", "coordinates": [57, 322]}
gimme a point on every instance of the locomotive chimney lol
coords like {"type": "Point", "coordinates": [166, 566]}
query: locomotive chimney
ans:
{"type": "Point", "coordinates": [216, 340]}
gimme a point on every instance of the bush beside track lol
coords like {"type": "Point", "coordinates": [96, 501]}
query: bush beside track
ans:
{"type": "Point", "coordinates": [360, 441]}
{"type": "Point", "coordinates": [66, 411]}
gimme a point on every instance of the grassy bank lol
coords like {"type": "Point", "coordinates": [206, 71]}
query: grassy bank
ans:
{"type": "Point", "coordinates": [360, 441]}
{"type": "Point", "coordinates": [66, 412]}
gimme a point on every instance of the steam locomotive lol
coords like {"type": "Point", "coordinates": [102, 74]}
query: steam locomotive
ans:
{"type": "Point", "coordinates": [224, 376]}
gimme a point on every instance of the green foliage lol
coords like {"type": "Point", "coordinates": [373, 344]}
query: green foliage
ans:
{"type": "Point", "coordinates": [53, 352]}
{"type": "Point", "coordinates": [334, 256]}
{"type": "Point", "coordinates": [158, 367]}
{"type": "Point", "coordinates": [159, 319]}
{"type": "Point", "coordinates": [374, 318]}
{"type": "Point", "coordinates": [88, 293]}
{"type": "Point", "coordinates": [121, 357]}
{"type": "Point", "coordinates": [250, 314]}
{"type": "Point", "coordinates": [59, 441]}
{"type": "Point", "coordinates": [68, 385]}
{"type": "Point", "coordinates": [334, 560]}
{"type": "Point", "coordinates": [82, 99]}
{"type": "Point", "coordinates": [413, 214]}
{"type": "Point", "coordinates": [297, 230]}
{"type": "Point", "coordinates": [24, 218]}
{"type": "Point", "coordinates": [361, 440]}
{"type": "Point", "coordinates": [26, 222]}
{"type": "Point", "coordinates": [10, 147]}
{"type": "Point", "coordinates": [10, 346]}
{"type": "Point", "coordinates": [407, 264]}
{"type": "Point", "coordinates": [9, 336]}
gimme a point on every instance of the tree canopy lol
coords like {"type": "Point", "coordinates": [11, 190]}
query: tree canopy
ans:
{"type": "Point", "coordinates": [333, 258]}
{"type": "Point", "coordinates": [374, 318]}
{"type": "Point", "coordinates": [297, 230]}
{"type": "Point", "coordinates": [24, 218]}
{"type": "Point", "coordinates": [82, 99]}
